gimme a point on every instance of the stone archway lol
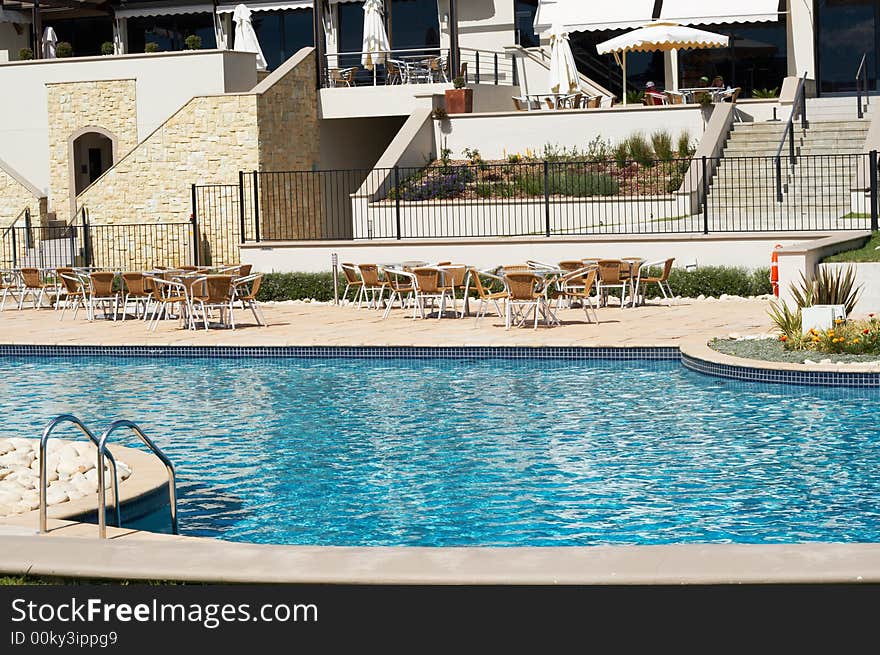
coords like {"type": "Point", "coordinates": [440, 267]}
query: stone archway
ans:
{"type": "Point", "coordinates": [91, 151]}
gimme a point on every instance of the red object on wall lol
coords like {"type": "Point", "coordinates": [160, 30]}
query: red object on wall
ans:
{"type": "Point", "coordinates": [774, 269]}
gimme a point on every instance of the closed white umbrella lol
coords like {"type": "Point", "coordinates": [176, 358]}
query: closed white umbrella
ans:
{"type": "Point", "coordinates": [245, 37]}
{"type": "Point", "coordinates": [375, 45]}
{"type": "Point", "coordinates": [660, 36]}
{"type": "Point", "coordinates": [50, 40]}
{"type": "Point", "coordinates": [563, 70]}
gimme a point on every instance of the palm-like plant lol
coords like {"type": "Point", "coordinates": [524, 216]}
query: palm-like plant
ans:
{"type": "Point", "coordinates": [830, 287]}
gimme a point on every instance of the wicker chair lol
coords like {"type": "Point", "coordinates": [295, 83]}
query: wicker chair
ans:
{"type": "Point", "coordinates": [524, 297]}
{"type": "Point", "coordinates": [342, 76]}
{"type": "Point", "coordinates": [429, 288]}
{"type": "Point", "coordinates": [610, 277]}
{"type": "Point", "coordinates": [352, 279]}
{"type": "Point", "coordinates": [662, 280]}
{"type": "Point", "coordinates": [10, 284]}
{"type": "Point", "coordinates": [218, 294]}
{"type": "Point", "coordinates": [167, 294]}
{"type": "Point", "coordinates": [485, 295]}
{"type": "Point", "coordinates": [372, 286]}
{"type": "Point", "coordinates": [401, 285]}
{"type": "Point", "coordinates": [135, 286]}
{"type": "Point", "coordinates": [33, 285]}
{"type": "Point", "coordinates": [577, 286]}
{"type": "Point", "coordinates": [101, 293]}
{"type": "Point", "coordinates": [245, 290]}
{"type": "Point", "coordinates": [454, 277]}
{"type": "Point", "coordinates": [73, 291]}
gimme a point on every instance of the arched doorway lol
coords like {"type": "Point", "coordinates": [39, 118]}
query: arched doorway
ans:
{"type": "Point", "coordinates": [92, 154]}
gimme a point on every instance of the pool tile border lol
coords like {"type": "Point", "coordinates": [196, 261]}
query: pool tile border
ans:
{"type": "Point", "coordinates": [348, 352]}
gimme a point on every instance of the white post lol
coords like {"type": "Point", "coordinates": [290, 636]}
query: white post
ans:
{"type": "Point", "coordinates": [120, 36]}
{"type": "Point", "coordinates": [670, 66]}
{"type": "Point", "coordinates": [624, 77]}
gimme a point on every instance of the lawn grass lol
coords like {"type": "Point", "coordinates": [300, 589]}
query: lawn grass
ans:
{"type": "Point", "coordinates": [870, 252]}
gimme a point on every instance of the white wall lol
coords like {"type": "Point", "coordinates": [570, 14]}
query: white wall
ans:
{"type": "Point", "coordinates": [12, 41]}
{"type": "Point", "coordinates": [497, 134]}
{"type": "Point", "coordinates": [165, 81]}
{"type": "Point", "coordinates": [800, 36]}
{"type": "Point", "coordinates": [711, 250]}
{"type": "Point", "coordinates": [482, 24]}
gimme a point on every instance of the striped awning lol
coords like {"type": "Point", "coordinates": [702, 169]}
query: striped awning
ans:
{"type": "Point", "coordinates": [229, 7]}
{"type": "Point", "coordinates": [581, 16]}
{"type": "Point", "coordinates": [165, 9]}
{"type": "Point", "coordinates": [708, 12]}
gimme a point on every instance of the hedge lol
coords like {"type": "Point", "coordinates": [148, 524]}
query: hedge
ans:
{"type": "Point", "coordinates": [706, 281]}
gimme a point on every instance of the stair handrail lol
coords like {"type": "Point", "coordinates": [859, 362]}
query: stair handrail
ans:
{"type": "Point", "coordinates": [24, 213]}
{"type": "Point", "coordinates": [44, 440]}
{"type": "Point", "coordinates": [862, 85]}
{"type": "Point", "coordinates": [800, 101]}
{"type": "Point", "coordinates": [172, 478]}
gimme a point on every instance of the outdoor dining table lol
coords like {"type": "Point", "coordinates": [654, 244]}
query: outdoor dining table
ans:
{"type": "Point", "coordinates": [691, 92]}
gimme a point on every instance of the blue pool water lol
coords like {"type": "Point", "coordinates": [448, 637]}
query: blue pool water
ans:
{"type": "Point", "coordinates": [480, 452]}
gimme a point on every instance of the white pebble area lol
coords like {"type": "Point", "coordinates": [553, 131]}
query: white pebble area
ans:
{"type": "Point", "coordinates": [71, 473]}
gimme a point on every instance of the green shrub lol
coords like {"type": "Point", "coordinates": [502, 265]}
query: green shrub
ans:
{"type": "Point", "coordinates": [107, 48]}
{"type": "Point", "coordinates": [829, 287]}
{"type": "Point", "coordinates": [717, 280]}
{"type": "Point", "coordinates": [25, 54]}
{"type": "Point", "coordinates": [151, 46]}
{"type": "Point", "coordinates": [531, 184]}
{"type": "Point", "coordinates": [575, 183]}
{"type": "Point", "coordinates": [63, 49]}
{"type": "Point", "coordinates": [766, 93]}
{"type": "Point", "coordinates": [483, 190]}
{"type": "Point", "coordinates": [298, 286]}
{"type": "Point", "coordinates": [639, 149]}
{"type": "Point", "coordinates": [635, 97]}
{"type": "Point", "coordinates": [685, 146]}
{"type": "Point", "coordinates": [620, 154]}
{"type": "Point", "coordinates": [598, 149]}
{"type": "Point", "coordinates": [193, 42]}
{"type": "Point", "coordinates": [662, 143]}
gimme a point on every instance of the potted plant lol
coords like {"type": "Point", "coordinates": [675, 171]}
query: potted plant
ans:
{"type": "Point", "coordinates": [459, 100]}
{"type": "Point", "coordinates": [151, 46]}
{"type": "Point", "coordinates": [107, 48]}
{"type": "Point", "coordinates": [63, 49]}
{"type": "Point", "coordinates": [193, 42]}
{"type": "Point", "coordinates": [25, 53]}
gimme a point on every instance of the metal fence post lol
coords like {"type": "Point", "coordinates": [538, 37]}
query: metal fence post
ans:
{"type": "Point", "coordinates": [28, 234]}
{"type": "Point", "coordinates": [513, 62]}
{"type": "Point", "coordinates": [334, 263]}
{"type": "Point", "coordinates": [477, 66]}
{"type": "Point", "coordinates": [256, 206]}
{"type": "Point", "coordinates": [496, 69]}
{"type": "Point", "coordinates": [241, 205]}
{"type": "Point", "coordinates": [87, 259]}
{"type": "Point", "coordinates": [778, 179]}
{"type": "Point", "coordinates": [397, 199]}
{"type": "Point", "coordinates": [547, 198]}
{"type": "Point", "coordinates": [14, 249]}
{"type": "Point", "coordinates": [873, 176]}
{"type": "Point", "coordinates": [72, 237]}
{"type": "Point", "coordinates": [705, 196]}
{"type": "Point", "coordinates": [193, 218]}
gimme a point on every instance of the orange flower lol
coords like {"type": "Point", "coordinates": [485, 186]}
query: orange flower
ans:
{"type": "Point", "coordinates": [865, 331]}
{"type": "Point", "coordinates": [855, 340]}
{"type": "Point", "coordinates": [838, 321]}
{"type": "Point", "coordinates": [830, 333]}
{"type": "Point", "coordinates": [783, 338]}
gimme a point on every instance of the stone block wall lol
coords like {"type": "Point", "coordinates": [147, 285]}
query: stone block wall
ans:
{"type": "Point", "coordinates": [107, 106]}
{"type": "Point", "coordinates": [16, 195]}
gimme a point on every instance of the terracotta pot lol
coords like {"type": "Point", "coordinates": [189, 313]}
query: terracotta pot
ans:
{"type": "Point", "coordinates": [459, 101]}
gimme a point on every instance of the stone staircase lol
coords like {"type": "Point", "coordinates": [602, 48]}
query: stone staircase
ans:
{"type": "Point", "coordinates": [816, 190]}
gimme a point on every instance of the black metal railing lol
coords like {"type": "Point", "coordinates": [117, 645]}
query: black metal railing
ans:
{"type": "Point", "coordinates": [420, 66]}
{"type": "Point", "coordinates": [563, 197]}
{"type": "Point", "coordinates": [798, 106]}
{"type": "Point", "coordinates": [862, 87]}
{"type": "Point", "coordinates": [19, 235]}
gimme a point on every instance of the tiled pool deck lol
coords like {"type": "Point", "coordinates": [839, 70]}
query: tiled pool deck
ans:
{"type": "Point", "coordinates": [73, 550]}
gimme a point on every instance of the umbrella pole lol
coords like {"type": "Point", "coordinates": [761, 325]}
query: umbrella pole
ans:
{"type": "Point", "coordinates": [624, 77]}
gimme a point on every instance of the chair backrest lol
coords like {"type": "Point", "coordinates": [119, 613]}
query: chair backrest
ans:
{"type": "Point", "coordinates": [427, 279]}
{"type": "Point", "coordinates": [571, 265]}
{"type": "Point", "coordinates": [350, 273]}
{"type": "Point", "coordinates": [674, 98]}
{"type": "Point", "coordinates": [219, 288]}
{"type": "Point", "coordinates": [517, 268]}
{"type": "Point", "coordinates": [609, 271]}
{"type": "Point", "coordinates": [244, 270]}
{"type": "Point", "coordinates": [250, 284]}
{"type": "Point", "coordinates": [370, 274]}
{"type": "Point", "coordinates": [393, 280]}
{"type": "Point", "coordinates": [31, 278]}
{"type": "Point", "coordinates": [667, 269]}
{"type": "Point", "coordinates": [519, 102]}
{"type": "Point", "coordinates": [455, 275]}
{"type": "Point", "coordinates": [522, 286]}
{"type": "Point", "coordinates": [595, 102]}
{"type": "Point", "coordinates": [101, 284]}
{"type": "Point", "coordinates": [187, 268]}
{"type": "Point", "coordinates": [551, 103]}
{"type": "Point", "coordinates": [134, 283]}
{"type": "Point", "coordinates": [72, 284]}
{"type": "Point", "coordinates": [63, 270]}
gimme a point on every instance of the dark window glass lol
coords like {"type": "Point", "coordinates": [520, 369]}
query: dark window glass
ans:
{"type": "Point", "coordinates": [282, 33]}
{"type": "Point", "coordinates": [85, 35]}
{"type": "Point", "coordinates": [847, 29]}
{"type": "Point", "coordinates": [169, 32]}
{"type": "Point", "coordinates": [525, 23]}
{"type": "Point", "coordinates": [415, 24]}
{"type": "Point", "coordinates": [640, 66]}
{"type": "Point", "coordinates": [757, 58]}
{"type": "Point", "coordinates": [351, 32]}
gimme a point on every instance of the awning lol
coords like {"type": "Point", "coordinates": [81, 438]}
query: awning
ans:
{"type": "Point", "coordinates": [164, 9]}
{"type": "Point", "coordinates": [707, 12]}
{"type": "Point", "coordinates": [12, 16]}
{"type": "Point", "coordinates": [229, 7]}
{"type": "Point", "coordinates": [581, 16]}
{"type": "Point", "coordinates": [663, 36]}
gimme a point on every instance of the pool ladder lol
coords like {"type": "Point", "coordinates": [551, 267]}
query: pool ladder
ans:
{"type": "Point", "coordinates": [103, 451]}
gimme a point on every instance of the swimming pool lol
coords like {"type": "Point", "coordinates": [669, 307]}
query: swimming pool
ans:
{"type": "Point", "coordinates": [465, 452]}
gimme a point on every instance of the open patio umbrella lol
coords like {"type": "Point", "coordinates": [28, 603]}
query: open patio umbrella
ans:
{"type": "Point", "coordinates": [563, 70]}
{"type": "Point", "coordinates": [50, 40]}
{"type": "Point", "coordinates": [245, 38]}
{"type": "Point", "coordinates": [375, 45]}
{"type": "Point", "coordinates": [659, 36]}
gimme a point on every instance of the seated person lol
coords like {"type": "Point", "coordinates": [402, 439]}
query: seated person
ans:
{"type": "Point", "coordinates": [718, 82]}
{"type": "Point", "coordinates": [653, 96]}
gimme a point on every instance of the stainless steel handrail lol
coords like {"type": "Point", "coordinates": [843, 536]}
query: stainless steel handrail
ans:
{"type": "Point", "coordinates": [172, 479]}
{"type": "Point", "coordinates": [800, 98]}
{"type": "Point", "coordinates": [44, 440]}
{"type": "Point", "coordinates": [862, 82]}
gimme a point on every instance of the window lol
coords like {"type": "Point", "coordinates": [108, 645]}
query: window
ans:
{"type": "Point", "coordinates": [414, 24]}
{"type": "Point", "coordinates": [525, 23]}
{"type": "Point", "coordinates": [847, 29]}
{"type": "Point", "coordinates": [169, 32]}
{"type": "Point", "coordinates": [85, 35]}
{"type": "Point", "coordinates": [282, 33]}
